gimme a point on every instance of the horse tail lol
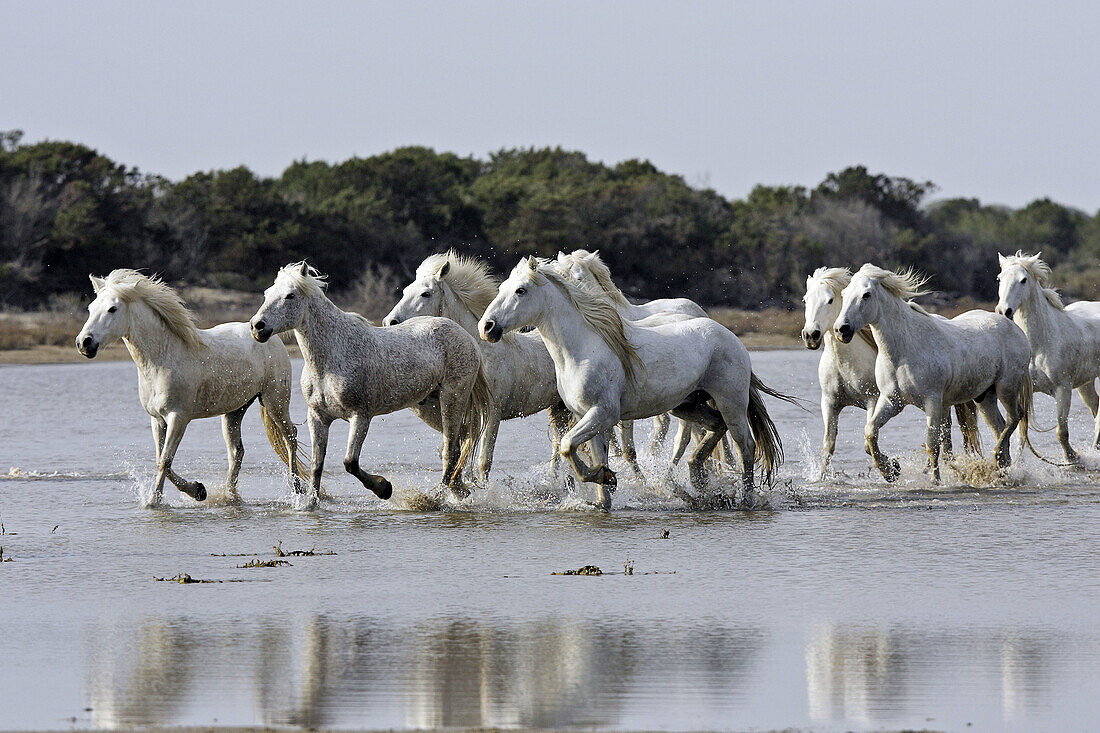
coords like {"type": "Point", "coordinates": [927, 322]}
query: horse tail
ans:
{"type": "Point", "coordinates": [769, 446]}
{"type": "Point", "coordinates": [282, 449]}
{"type": "Point", "coordinates": [473, 419]}
{"type": "Point", "coordinates": [967, 413]}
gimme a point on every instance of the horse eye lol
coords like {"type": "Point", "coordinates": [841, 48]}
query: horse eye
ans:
{"type": "Point", "coordinates": [426, 294]}
{"type": "Point", "coordinates": [1024, 280]}
{"type": "Point", "coordinates": [866, 295]}
{"type": "Point", "coordinates": [521, 291]}
{"type": "Point", "coordinates": [112, 309]}
{"type": "Point", "coordinates": [830, 301]}
{"type": "Point", "coordinates": [289, 296]}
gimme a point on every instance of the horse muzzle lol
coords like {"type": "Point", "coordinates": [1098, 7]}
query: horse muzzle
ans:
{"type": "Point", "coordinates": [391, 321]}
{"type": "Point", "coordinates": [491, 331]}
{"type": "Point", "coordinates": [812, 339]}
{"type": "Point", "coordinates": [87, 346]}
{"type": "Point", "coordinates": [261, 331]}
{"type": "Point", "coordinates": [844, 332]}
{"type": "Point", "coordinates": [1006, 312]}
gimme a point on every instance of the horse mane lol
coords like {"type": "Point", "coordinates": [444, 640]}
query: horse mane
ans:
{"type": "Point", "coordinates": [595, 307]}
{"type": "Point", "coordinates": [595, 267]}
{"type": "Point", "coordinates": [835, 278]}
{"type": "Point", "coordinates": [306, 278]}
{"type": "Point", "coordinates": [132, 286]}
{"type": "Point", "coordinates": [1038, 271]}
{"type": "Point", "coordinates": [904, 285]}
{"type": "Point", "coordinates": [468, 277]}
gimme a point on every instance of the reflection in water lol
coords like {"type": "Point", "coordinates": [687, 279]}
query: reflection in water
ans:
{"type": "Point", "coordinates": [436, 673]}
{"type": "Point", "coordinates": [869, 674]}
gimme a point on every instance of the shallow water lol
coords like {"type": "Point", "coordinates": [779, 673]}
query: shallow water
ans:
{"type": "Point", "coordinates": [849, 604]}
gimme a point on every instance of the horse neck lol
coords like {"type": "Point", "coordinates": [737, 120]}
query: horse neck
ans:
{"type": "Point", "coordinates": [896, 340]}
{"type": "Point", "coordinates": [321, 334]}
{"type": "Point", "coordinates": [460, 314]}
{"type": "Point", "coordinates": [567, 336]}
{"type": "Point", "coordinates": [1037, 315]}
{"type": "Point", "coordinates": [150, 343]}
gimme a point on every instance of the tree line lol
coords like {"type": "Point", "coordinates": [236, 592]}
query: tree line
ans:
{"type": "Point", "coordinates": [66, 211]}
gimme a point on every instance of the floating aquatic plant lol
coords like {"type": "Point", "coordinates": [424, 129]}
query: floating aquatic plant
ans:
{"type": "Point", "coordinates": [280, 552]}
{"type": "Point", "coordinates": [586, 570]}
{"type": "Point", "coordinates": [257, 563]}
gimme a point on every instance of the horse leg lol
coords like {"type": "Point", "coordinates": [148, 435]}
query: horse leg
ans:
{"type": "Point", "coordinates": [1087, 392]}
{"type": "Point", "coordinates": [630, 453]}
{"type": "Point", "coordinates": [560, 417]}
{"type": "Point", "coordinates": [231, 431]}
{"type": "Point", "coordinates": [453, 401]}
{"type": "Point", "coordinates": [159, 429]}
{"type": "Point", "coordinates": [661, 424]}
{"type": "Point", "coordinates": [830, 415]}
{"type": "Point", "coordinates": [318, 434]}
{"type": "Point", "coordinates": [934, 413]}
{"type": "Point", "coordinates": [278, 406]}
{"type": "Point", "coordinates": [487, 445]}
{"type": "Point", "coordinates": [885, 410]}
{"type": "Point", "coordinates": [598, 447]}
{"type": "Point", "coordinates": [1013, 414]}
{"type": "Point", "coordinates": [679, 445]}
{"type": "Point", "coordinates": [1062, 397]}
{"type": "Point", "coordinates": [591, 425]}
{"type": "Point", "coordinates": [710, 419]}
{"type": "Point", "coordinates": [357, 433]}
{"type": "Point", "coordinates": [175, 425]}
{"type": "Point", "coordinates": [987, 407]}
{"type": "Point", "coordinates": [946, 445]}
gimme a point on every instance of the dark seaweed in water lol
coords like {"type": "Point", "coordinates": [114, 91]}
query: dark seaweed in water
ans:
{"type": "Point", "coordinates": [586, 570]}
{"type": "Point", "coordinates": [280, 552]}
{"type": "Point", "coordinates": [263, 563]}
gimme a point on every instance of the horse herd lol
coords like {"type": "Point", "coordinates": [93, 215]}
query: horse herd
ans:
{"type": "Point", "coordinates": [465, 352]}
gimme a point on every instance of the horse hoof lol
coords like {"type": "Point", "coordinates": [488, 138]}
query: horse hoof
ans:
{"type": "Point", "coordinates": [383, 489]}
{"type": "Point", "coordinates": [199, 491]}
{"type": "Point", "coordinates": [460, 492]}
{"type": "Point", "coordinates": [892, 470]}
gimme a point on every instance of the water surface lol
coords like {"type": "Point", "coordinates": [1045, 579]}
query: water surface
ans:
{"type": "Point", "coordinates": [849, 604]}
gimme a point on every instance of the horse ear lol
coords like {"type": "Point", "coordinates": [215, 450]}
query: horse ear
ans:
{"type": "Point", "coordinates": [1001, 259]}
{"type": "Point", "coordinates": [532, 264]}
{"type": "Point", "coordinates": [595, 255]}
{"type": "Point", "coordinates": [97, 283]}
{"type": "Point", "coordinates": [304, 269]}
{"type": "Point", "coordinates": [561, 256]}
{"type": "Point", "coordinates": [445, 269]}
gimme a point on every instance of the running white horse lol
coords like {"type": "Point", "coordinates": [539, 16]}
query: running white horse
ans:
{"type": "Point", "coordinates": [519, 369]}
{"type": "Point", "coordinates": [609, 370]}
{"type": "Point", "coordinates": [846, 372]}
{"type": "Point", "coordinates": [1065, 339]}
{"type": "Point", "coordinates": [185, 373]}
{"type": "Point", "coordinates": [355, 371]}
{"type": "Point", "coordinates": [587, 268]}
{"type": "Point", "coordinates": [935, 363]}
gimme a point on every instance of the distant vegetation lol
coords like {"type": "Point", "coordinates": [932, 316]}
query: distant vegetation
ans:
{"type": "Point", "coordinates": [66, 210]}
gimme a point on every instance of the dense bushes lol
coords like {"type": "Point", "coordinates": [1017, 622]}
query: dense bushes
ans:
{"type": "Point", "coordinates": [66, 210]}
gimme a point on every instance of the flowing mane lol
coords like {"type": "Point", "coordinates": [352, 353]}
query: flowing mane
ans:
{"type": "Point", "coordinates": [468, 277]}
{"type": "Point", "coordinates": [905, 285]}
{"type": "Point", "coordinates": [834, 278]}
{"type": "Point", "coordinates": [595, 308]}
{"type": "Point", "coordinates": [1038, 271]}
{"type": "Point", "coordinates": [132, 286]}
{"type": "Point", "coordinates": [306, 278]}
{"type": "Point", "coordinates": [595, 267]}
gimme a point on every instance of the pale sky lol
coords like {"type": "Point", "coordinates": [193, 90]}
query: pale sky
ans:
{"type": "Point", "coordinates": [992, 99]}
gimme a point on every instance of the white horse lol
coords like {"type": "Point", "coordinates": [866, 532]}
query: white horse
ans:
{"type": "Point", "coordinates": [185, 373]}
{"type": "Point", "coordinates": [846, 372]}
{"type": "Point", "coordinates": [935, 363]}
{"type": "Point", "coordinates": [609, 370]}
{"type": "Point", "coordinates": [519, 369]}
{"type": "Point", "coordinates": [1065, 340]}
{"type": "Point", "coordinates": [355, 371]}
{"type": "Point", "coordinates": [587, 268]}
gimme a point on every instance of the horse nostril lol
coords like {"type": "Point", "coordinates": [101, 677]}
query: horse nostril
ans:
{"type": "Point", "coordinates": [87, 342]}
{"type": "Point", "coordinates": [845, 329]}
{"type": "Point", "coordinates": [816, 334]}
{"type": "Point", "coordinates": [259, 325]}
{"type": "Point", "coordinates": [489, 326]}
{"type": "Point", "coordinates": [1008, 313]}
